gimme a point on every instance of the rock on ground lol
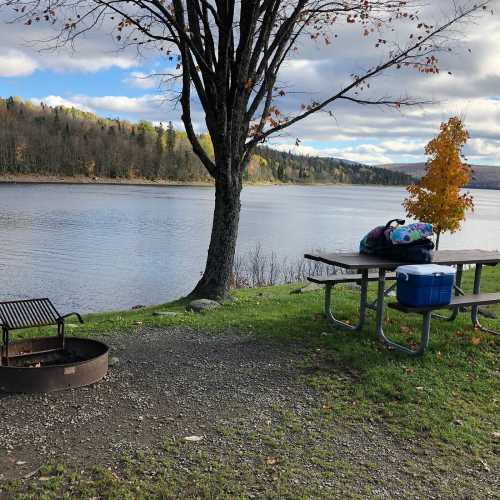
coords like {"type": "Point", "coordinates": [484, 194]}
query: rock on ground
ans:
{"type": "Point", "coordinates": [201, 305]}
{"type": "Point", "coordinates": [311, 287]}
{"type": "Point", "coordinates": [165, 313]}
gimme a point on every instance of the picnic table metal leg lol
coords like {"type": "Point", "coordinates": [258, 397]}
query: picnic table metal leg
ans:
{"type": "Point", "coordinates": [424, 341]}
{"type": "Point", "coordinates": [373, 305]}
{"type": "Point", "coordinates": [5, 346]}
{"type": "Point", "coordinates": [380, 305]}
{"type": "Point", "coordinates": [458, 291]}
{"type": "Point", "coordinates": [475, 309]}
{"type": "Point", "coordinates": [362, 306]}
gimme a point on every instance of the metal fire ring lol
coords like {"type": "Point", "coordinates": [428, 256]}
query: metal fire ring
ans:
{"type": "Point", "coordinates": [45, 375]}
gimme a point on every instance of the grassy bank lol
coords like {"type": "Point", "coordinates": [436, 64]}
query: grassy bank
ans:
{"type": "Point", "coordinates": [447, 401]}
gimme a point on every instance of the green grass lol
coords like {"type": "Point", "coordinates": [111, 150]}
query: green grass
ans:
{"type": "Point", "coordinates": [447, 399]}
{"type": "Point", "coordinates": [450, 394]}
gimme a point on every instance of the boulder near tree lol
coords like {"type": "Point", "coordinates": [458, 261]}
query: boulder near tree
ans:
{"type": "Point", "coordinates": [230, 54]}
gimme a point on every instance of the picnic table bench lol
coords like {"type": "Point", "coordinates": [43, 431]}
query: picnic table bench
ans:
{"type": "Point", "coordinates": [30, 313]}
{"type": "Point", "coordinates": [364, 263]}
{"type": "Point", "coordinates": [361, 279]}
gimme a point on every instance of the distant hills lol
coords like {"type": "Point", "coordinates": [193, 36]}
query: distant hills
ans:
{"type": "Point", "coordinates": [483, 176]}
{"type": "Point", "coordinates": [270, 164]}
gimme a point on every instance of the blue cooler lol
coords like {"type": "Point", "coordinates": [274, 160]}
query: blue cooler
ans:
{"type": "Point", "coordinates": [424, 285]}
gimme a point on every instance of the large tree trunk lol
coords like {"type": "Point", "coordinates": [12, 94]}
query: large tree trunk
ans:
{"type": "Point", "coordinates": [216, 279]}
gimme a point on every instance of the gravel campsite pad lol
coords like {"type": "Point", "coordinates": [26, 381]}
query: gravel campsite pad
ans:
{"type": "Point", "coordinates": [238, 399]}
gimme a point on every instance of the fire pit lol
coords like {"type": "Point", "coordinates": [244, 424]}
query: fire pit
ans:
{"type": "Point", "coordinates": [81, 362]}
{"type": "Point", "coordinates": [47, 363]}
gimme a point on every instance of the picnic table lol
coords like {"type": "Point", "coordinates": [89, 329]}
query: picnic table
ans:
{"type": "Point", "coordinates": [363, 264]}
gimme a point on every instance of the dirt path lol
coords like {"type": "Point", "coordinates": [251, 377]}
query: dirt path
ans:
{"type": "Point", "coordinates": [233, 391]}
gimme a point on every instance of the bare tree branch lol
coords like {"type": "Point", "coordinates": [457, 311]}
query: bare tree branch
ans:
{"type": "Point", "coordinates": [403, 56]}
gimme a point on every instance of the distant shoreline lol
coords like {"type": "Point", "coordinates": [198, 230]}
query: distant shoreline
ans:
{"type": "Point", "coordinates": [138, 181]}
{"type": "Point", "coordinates": [108, 181]}
{"type": "Point", "coordinates": [80, 179]}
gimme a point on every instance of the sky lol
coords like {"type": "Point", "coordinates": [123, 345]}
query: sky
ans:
{"type": "Point", "coordinates": [96, 75]}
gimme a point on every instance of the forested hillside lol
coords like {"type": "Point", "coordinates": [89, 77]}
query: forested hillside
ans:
{"type": "Point", "coordinates": [60, 141]}
{"type": "Point", "coordinates": [310, 169]}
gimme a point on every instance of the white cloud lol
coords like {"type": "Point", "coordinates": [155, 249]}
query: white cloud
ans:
{"type": "Point", "coordinates": [483, 148]}
{"type": "Point", "coordinates": [77, 63]}
{"type": "Point", "coordinates": [15, 63]}
{"type": "Point", "coordinates": [122, 104]}
{"type": "Point", "coordinates": [92, 53]}
{"type": "Point", "coordinates": [363, 153]}
{"type": "Point", "coordinates": [404, 146]}
{"type": "Point", "coordinates": [140, 80]}
{"type": "Point", "coordinates": [55, 100]}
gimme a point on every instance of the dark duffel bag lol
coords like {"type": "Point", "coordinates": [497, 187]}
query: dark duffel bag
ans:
{"type": "Point", "coordinates": [378, 242]}
{"type": "Point", "coordinates": [416, 252]}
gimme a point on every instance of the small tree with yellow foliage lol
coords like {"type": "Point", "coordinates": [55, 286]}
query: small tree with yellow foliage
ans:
{"type": "Point", "coordinates": [437, 197]}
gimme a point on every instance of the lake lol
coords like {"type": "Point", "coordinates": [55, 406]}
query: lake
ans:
{"type": "Point", "coordinates": [98, 247]}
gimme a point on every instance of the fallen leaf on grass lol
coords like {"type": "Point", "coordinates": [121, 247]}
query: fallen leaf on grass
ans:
{"type": "Point", "coordinates": [271, 461]}
{"type": "Point", "coordinates": [44, 478]}
{"type": "Point", "coordinates": [193, 438]}
{"type": "Point", "coordinates": [31, 474]}
{"type": "Point", "coordinates": [475, 341]}
{"type": "Point", "coordinates": [485, 465]}
{"type": "Point", "coordinates": [496, 435]}
{"type": "Point", "coordinates": [408, 370]}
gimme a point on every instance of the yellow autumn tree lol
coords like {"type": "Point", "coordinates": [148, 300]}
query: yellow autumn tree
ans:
{"type": "Point", "coordinates": [206, 143]}
{"type": "Point", "coordinates": [437, 198]}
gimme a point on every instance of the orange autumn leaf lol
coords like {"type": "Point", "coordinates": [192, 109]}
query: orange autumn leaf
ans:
{"type": "Point", "coordinates": [475, 341]}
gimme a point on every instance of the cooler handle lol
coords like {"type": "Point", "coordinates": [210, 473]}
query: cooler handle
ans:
{"type": "Point", "coordinates": [405, 276]}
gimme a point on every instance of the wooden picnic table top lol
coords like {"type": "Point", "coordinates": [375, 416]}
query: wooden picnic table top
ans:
{"type": "Point", "coordinates": [355, 260]}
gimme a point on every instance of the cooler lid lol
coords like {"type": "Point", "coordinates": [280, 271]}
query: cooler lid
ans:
{"type": "Point", "coordinates": [425, 269]}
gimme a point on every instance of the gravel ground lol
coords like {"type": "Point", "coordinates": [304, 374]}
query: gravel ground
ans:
{"type": "Point", "coordinates": [169, 384]}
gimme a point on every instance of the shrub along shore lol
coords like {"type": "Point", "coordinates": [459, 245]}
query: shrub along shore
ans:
{"type": "Point", "coordinates": [446, 400]}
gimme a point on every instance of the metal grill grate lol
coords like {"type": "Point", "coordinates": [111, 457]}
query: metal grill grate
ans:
{"type": "Point", "coordinates": [28, 313]}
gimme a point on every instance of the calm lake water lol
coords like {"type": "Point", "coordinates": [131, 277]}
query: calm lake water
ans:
{"type": "Point", "coordinates": [95, 247]}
